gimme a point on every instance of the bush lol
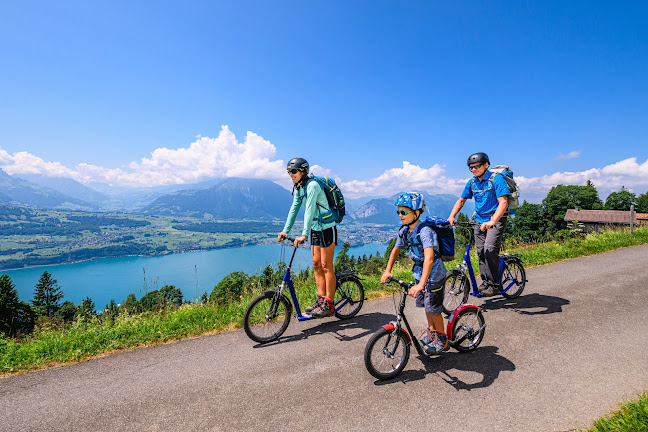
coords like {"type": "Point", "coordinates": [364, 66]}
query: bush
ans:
{"type": "Point", "coordinates": [166, 296]}
{"type": "Point", "coordinates": [66, 312]}
{"type": "Point", "coordinates": [562, 235]}
{"type": "Point", "coordinates": [229, 289]}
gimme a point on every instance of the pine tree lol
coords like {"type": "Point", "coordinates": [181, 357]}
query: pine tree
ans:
{"type": "Point", "coordinates": [8, 304]}
{"type": "Point", "coordinates": [47, 295]}
{"type": "Point", "coordinates": [87, 307]}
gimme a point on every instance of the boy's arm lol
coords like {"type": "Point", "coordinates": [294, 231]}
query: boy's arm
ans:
{"type": "Point", "coordinates": [392, 259]}
{"type": "Point", "coordinates": [425, 274]}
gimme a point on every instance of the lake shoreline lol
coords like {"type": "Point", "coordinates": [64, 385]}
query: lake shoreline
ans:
{"type": "Point", "coordinates": [227, 246]}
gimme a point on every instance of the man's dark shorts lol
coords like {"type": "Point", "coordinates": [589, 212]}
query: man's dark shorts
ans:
{"type": "Point", "coordinates": [431, 298]}
{"type": "Point", "coordinates": [324, 238]}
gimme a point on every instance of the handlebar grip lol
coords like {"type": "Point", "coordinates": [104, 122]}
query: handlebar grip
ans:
{"type": "Point", "coordinates": [399, 282]}
{"type": "Point", "coordinates": [291, 240]}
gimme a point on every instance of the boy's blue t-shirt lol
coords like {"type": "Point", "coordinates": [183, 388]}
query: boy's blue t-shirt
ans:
{"type": "Point", "coordinates": [485, 194]}
{"type": "Point", "coordinates": [428, 238]}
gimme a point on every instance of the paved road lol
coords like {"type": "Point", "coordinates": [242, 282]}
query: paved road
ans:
{"type": "Point", "coordinates": [566, 352]}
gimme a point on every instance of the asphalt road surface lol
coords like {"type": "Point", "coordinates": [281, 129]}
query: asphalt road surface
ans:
{"type": "Point", "coordinates": [569, 350]}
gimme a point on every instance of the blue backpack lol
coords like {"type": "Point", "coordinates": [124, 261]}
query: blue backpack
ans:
{"type": "Point", "coordinates": [443, 230]}
{"type": "Point", "coordinates": [336, 210]}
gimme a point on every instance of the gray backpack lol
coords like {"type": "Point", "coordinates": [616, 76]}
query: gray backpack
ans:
{"type": "Point", "coordinates": [514, 197]}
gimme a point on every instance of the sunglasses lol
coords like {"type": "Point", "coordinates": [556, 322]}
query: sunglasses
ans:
{"type": "Point", "coordinates": [403, 212]}
{"type": "Point", "coordinates": [293, 171]}
{"type": "Point", "coordinates": [474, 167]}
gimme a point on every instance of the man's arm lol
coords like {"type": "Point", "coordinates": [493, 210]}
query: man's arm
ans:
{"type": "Point", "coordinates": [501, 209]}
{"type": "Point", "coordinates": [458, 206]}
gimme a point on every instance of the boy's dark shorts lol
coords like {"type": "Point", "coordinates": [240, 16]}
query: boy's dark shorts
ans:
{"type": "Point", "coordinates": [324, 238]}
{"type": "Point", "coordinates": [431, 298]}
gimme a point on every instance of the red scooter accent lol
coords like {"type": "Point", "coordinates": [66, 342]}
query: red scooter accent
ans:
{"type": "Point", "coordinates": [454, 315]}
{"type": "Point", "coordinates": [391, 326]}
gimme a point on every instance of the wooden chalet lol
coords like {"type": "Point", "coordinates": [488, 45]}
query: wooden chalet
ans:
{"type": "Point", "coordinates": [593, 220]}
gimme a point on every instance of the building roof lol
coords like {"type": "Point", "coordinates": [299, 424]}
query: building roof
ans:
{"type": "Point", "coordinates": [603, 216]}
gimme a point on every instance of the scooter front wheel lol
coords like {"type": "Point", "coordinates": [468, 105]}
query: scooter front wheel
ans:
{"type": "Point", "coordinates": [387, 353]}
{"type": "Point", "coordinates": [455, 291]}
{"type": "Point", "coordinates": [267, 317]}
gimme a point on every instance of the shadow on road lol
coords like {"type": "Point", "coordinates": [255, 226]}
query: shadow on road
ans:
{"type": "Point", "coordinates": [457, 368]}
{"type": "Point", "coordinates": [532, 304]}
{"type": "Point", "coordinates": [343, 330]}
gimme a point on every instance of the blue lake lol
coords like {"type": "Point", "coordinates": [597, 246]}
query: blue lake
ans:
{"type": "Point", "coordinates": [192, 272]}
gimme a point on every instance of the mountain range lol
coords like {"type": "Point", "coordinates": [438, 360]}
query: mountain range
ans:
{"type": "Point", "coordinates": [232, 198]}
{"type": "Point", "coordinates": [382, 210]}
{"type": "Point", "coordinates": [21, 191]}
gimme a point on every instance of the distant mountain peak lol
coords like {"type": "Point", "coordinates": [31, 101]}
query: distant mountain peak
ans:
{"type": "Point", "coordinates": [234, 198]}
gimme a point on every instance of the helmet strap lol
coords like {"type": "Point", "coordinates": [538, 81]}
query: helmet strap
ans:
{"type": "Point", "coordinates": [418, 216]}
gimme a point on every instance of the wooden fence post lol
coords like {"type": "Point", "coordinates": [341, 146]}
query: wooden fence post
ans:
{"type": "Point", "coordinates": [632, 216]}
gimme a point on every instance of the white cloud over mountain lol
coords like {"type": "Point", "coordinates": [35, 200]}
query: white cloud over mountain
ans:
{"type": "Point", "coordinates": [254, 157]}
{"type": "Point", "coordinates": [205, 158]}
{"type": "Point", "coordinates": [407, 177]}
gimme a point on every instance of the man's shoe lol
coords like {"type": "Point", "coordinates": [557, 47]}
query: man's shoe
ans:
{"type": "Point", "coordinates": [312, 307]}
{"type": "Point", "coordinates": [324, 309]}
{"type": "Point", "coordinates": [489, 291]}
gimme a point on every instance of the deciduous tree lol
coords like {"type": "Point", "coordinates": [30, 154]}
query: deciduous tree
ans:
{"type": "Point", "coordinates": [528, 224]}
{"type": "Point", "coordinates": [642, 203]}
{"type": "Point", "coordinates": [621, 200]}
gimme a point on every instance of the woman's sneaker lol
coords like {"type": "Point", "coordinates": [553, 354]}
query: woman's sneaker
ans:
{"type": "Point", "coordinates": [312, 307]}
{"type": "Point", "coordinates": [324, 309]}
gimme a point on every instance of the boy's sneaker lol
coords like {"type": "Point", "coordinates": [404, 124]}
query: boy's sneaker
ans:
{"type": "Point", "coordinates": [428, 336]}
{"type": "Point", "coordinates": [439, 345]}
{"type": "Point", "coordinates": [324, 309]}
{"type": "Point", "coordinates": [312, 307]}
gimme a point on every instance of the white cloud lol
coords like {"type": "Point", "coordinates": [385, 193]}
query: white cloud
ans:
{"type": "Point", "coordinates": [27, 163]}
{"type": "Point", "coordinates": [628, 173]}
{"type": "Point", "coordinates": [224, 156]}
{"type": "Point", "coordinates": [205, 158]}
{"type": "Point", "coordinates": [409, 177]}
{"type": "Point", "coordinates": [571, 155]}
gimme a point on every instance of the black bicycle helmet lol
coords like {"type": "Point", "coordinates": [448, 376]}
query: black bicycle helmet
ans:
{"type": "Point", "coordinates": [478, 158]}
{"type": "Point", "coordinates": [298, 163]}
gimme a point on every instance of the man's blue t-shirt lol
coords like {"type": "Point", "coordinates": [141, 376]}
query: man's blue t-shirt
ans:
{"type": "Point", "coordinates": [428, 238]}
{"type": "Point", "coordinates": [485, 194]}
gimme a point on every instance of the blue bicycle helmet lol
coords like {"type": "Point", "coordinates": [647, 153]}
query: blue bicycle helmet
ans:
{"type": "Point", "coordinates": [413, 200]}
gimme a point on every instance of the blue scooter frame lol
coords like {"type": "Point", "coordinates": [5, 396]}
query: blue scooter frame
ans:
{"type": "Point", "coordinates": [268, 315]}
{"type": "Point", "coordinates": [512, 277]}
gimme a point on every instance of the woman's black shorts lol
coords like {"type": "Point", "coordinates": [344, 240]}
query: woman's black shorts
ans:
{"type": "Point", "coordinates": [324, 238]}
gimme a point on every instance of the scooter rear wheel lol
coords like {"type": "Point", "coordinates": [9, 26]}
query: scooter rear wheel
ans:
{"type": "Point", "coordinates": [468, 329]}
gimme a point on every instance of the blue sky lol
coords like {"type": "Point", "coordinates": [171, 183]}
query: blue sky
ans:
{"type": "Point", "coordinates": [382, 95]}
